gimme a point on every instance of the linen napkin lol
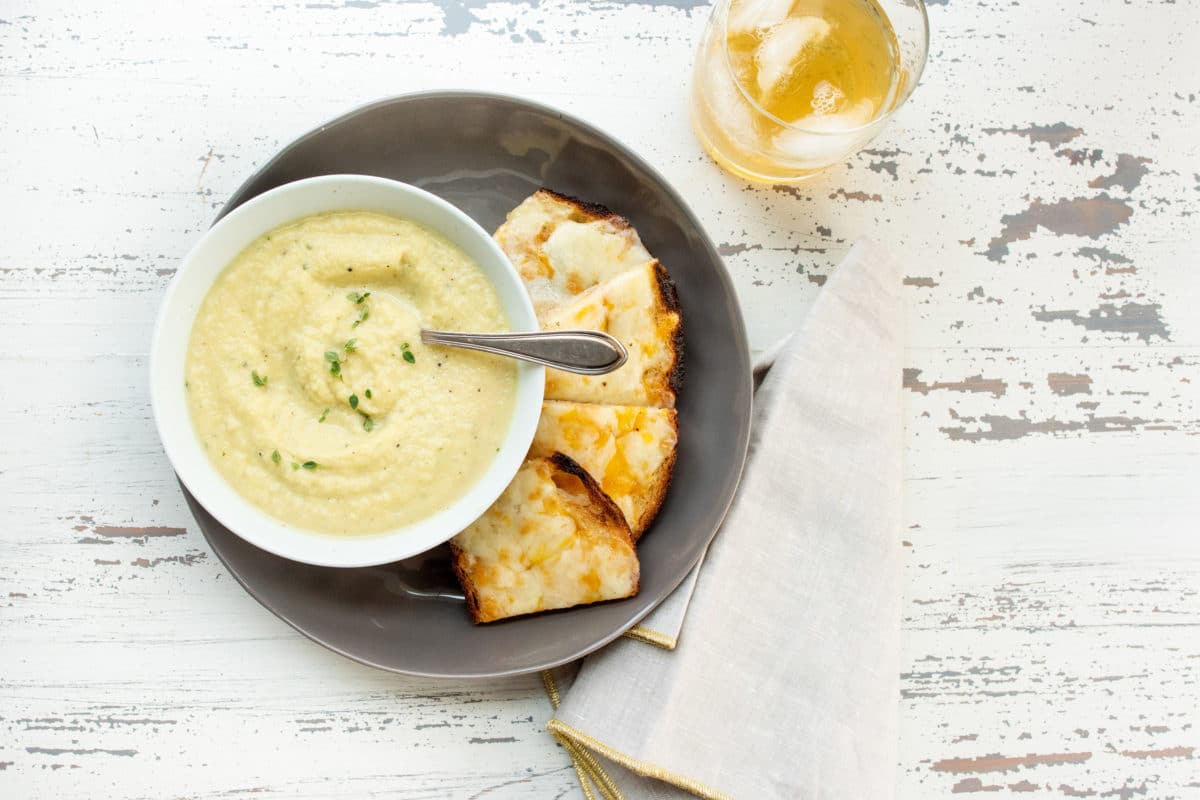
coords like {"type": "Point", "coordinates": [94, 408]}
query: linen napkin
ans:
{"type": "Point", "coordinates": [661, 626]}
{"type": "Point", "coordinates": [783, 681]}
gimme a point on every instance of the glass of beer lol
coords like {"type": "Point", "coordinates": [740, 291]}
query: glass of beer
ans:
{"type": "Point", "coordinates": [784, 88]}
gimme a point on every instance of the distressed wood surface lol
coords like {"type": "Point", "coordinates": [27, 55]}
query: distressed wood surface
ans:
{"type": "Point", "coordinates": [1041, 187]}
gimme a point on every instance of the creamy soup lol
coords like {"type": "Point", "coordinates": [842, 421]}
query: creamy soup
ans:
{"type": "Point", "coordinates": [310, 389]}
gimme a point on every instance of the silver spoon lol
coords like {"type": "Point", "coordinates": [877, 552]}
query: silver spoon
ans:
{"type": "Point", "coordinates": [582, 352]}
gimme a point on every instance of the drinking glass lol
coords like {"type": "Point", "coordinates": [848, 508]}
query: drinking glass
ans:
{"type": "Point", "coordinates": [787, 42]}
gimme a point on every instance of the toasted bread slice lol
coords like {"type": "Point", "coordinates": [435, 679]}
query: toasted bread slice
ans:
{"type": "Point", "coordinates": [563, 246]}
{"type": "Point", "coordinates": [640, 309]}
{"type": "Point", "coordinates": [628, 450]}
{"type": "Point", "coordinates": [552, 540]}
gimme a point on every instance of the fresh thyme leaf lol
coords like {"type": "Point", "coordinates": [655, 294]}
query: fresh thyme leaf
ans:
{"type": "Point", "coordinates": [335, 363]}
{"type": "Point", "coordinates": [350, 346]}
{"type": "Point", "coordinates": [324, 414]}
{"type": "Point", "coordinates": [368, 394]}
{"type": "Point", "coordinates": [362, 317]}
{"type": "Point", "coordinates": [275, 456]}
{"type": "Point", "coordinates": [295, 465]}
{"type": "Point", "coordinates": [409, 357]}
{"type": "Point", "coordinates": [362, 297]}
{"type": "Point", "coordinates": [368, 423]}
{"type": "Point", "coordinates": [259, 380]}
{"type": "Point", "coordinates": [309, 465]}
{"type": "Point", "coordinates": [354, 401]}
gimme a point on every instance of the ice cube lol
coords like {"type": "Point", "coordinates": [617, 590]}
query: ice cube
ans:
{"type": "Point", "coordinates": [854, 116]}
{"type": "Point", "coordinates": [782, 51]}
{"type": "Point", "coordinates": [817, 143]}
{"type": "Point", "coordinates": [747, 16]}
{"type": "Point", "coordinates": [728, 106]}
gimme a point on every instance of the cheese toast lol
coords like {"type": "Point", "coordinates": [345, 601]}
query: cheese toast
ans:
{"type": "Point", "coordinates": [629, 450]}
{"type": "Point", "coordinates": [553, 540]}
{"type": "Point", "coordinates": [639, 308]}
{"type": "Point", "coordinates": [563, 246]}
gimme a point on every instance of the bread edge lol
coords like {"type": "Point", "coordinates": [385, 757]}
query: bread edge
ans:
{"type": "Point", "coordinates": [593, 211]}
{"type": "Point", "coordinates": [458, 557]}
{"type": "Point", "coordinates": [655, 501]}
{"type": "Point", "coordinates": [609, 512]}
{"type": "Point", "coordinates": [668, 296]}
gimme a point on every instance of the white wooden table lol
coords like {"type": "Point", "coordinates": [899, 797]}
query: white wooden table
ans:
{"type": "Point", "coordinates": [1042, 187]}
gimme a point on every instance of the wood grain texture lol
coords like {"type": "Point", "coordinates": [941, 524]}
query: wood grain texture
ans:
{"type": "Point", "coordinates": [1041, 187]}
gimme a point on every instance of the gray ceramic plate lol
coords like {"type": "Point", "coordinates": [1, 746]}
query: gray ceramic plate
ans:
{"type": "Point", "coordinates": [486, 153]}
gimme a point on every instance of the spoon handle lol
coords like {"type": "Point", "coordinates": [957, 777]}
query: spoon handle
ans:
{"type": "Point", "coordinates": [582, 352]}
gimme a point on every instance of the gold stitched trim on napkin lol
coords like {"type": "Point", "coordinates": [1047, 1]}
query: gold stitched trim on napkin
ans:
{"type": "Point", "coordinates": [561, 731]}
{"type": "Point", "coordinates": [587, 764]}
{"type": "Point", "coordinates": [651, 636]}
{"type": "Point", "coordinates": [587, 770]}
{"type": "Point", "coordinates": [551, 688]}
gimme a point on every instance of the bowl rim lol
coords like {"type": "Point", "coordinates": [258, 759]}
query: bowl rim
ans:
{"type": "Point", "coordinates": [199, 475]}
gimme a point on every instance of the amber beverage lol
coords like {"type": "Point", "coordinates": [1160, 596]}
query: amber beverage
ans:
{"type": "Point", "coordinates": [784, 88]}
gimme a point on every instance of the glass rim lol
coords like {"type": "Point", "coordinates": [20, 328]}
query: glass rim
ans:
{"type": "Point", "coordinates": [920, 70]}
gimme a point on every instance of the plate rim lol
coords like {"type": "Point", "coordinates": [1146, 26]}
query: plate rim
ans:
{"type": "Point", "coordinates": [240, 195]}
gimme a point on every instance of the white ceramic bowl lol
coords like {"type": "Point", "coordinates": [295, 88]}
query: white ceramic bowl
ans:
{"type": "Point", "coordinates": [168, 352]}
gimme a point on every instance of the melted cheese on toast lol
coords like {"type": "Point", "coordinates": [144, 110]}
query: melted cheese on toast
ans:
{"type": "Point", "coordinates": [562, 246]}
{"type": "Point", "coordinates": [639, 308]}
{"type": "Point", "coordinates": [552, 540]}
{"type": "Point", "coordinates": [629, 450]}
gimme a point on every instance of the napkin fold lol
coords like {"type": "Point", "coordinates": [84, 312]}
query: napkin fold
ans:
{"type": "Point", "coordinates": [783, 680]}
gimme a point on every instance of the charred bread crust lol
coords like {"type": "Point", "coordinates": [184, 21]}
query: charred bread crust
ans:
{"type": "Point", "coordinates": [676, 374]}
{"type": "Point", "coordinates": [668, 295]}
{"type": "Point", "coordinates": [591, 211]}
{"type": "Point", "coordinates": [604, 508]}
{"type": "Point", "coordinates": [459, 560]}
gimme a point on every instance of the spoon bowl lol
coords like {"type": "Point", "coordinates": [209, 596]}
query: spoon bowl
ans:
{"type": "Point", "coordinates": [581, 352]}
